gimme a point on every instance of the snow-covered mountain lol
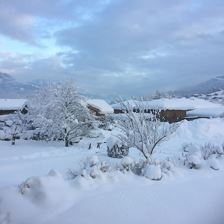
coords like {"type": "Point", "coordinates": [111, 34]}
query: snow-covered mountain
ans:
{"type": "Point", "coordinates": [216, 97]}
{"type": "Point", "coordinates": [10, 88]}
{"type": "Point", "coordinates": [209, 86]}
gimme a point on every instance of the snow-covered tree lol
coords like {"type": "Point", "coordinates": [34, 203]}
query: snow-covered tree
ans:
{"type": "Point", "coordinates": [57, 112]}
{"type": "Point", "coordinates": [14, 126]}
{"type": "Point", "coordinates": [142, 130]}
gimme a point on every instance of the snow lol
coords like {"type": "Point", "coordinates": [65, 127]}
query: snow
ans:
{"type": "Point", "coordinates": [136, 201]}
{"type": "Point", "coordinates": [153, 172]}
{"type": "Point", "coordinates": [171, 104]}
{"type": "Point", "coordinates": [182, 196]}
{"type": "Point", "coordinates": [12, 104]}
{"type": "Point", "coordinates": [112, 141]}
{"type": "Point", "coordinates": [195, 160]}
{"type": "Point", "coordinates": [214, 164]}
{"type": "Point", "coordinates": [194, 197]}
{"type": "Point", "coordinates": [94, 160]}
{"type": "Point", "coordinates": [127, 161]}
{"type": "Point", "coordinates": [43, 190]}
{"type": "Point", "coordinates": [207, 112]}
{"type": "Point", "coordinates": [101, 105]}
{"type": "Point", "coordinates": [36, 158]}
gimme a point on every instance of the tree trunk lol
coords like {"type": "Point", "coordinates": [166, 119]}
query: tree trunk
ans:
{"type": "Point", "coordinates": [13, 140]}
{"type": "Point", "coordinates": [66, 142]}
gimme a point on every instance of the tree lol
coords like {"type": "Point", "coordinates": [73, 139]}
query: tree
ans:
{"type": "Point", "coordinates": [14, 126]}
{"type": "Point", "coordinates": [58, 113]}
{"type": "Point", "coordinates": [142, 130]}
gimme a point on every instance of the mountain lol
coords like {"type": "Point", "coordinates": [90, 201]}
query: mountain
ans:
{"type": "Point", "coordinates": [10, 88]}
{"type": "Point", "coordinates": [215, 97]}
{"type": "Point", "coordinates": [209, 86]}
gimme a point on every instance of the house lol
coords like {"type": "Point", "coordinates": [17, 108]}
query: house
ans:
{"type": "Point", "coordinates": [99, 107]}
{"type": "Point", "coordinates": [170, 110]}
{"type": "Point", "coordinates": [9, 106]}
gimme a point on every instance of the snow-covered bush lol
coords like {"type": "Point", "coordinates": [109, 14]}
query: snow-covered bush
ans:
{"type": "Point", "coordinates": [91, 168]}
{"type": "Point", "coordinates": [153, 172]}
{"type": "Point", "coordinates": [189, 147]}
{"type": "Point", "coordinates": [156, 170]}
{"type": "Point", "coordinates": [138, 167]}
{"type": "Point", "coordinates": [167, 166]}
{"type": "Point", "coordinates": [192, 156]}
{"type": "Point", "coordinates": [143, 131]}
{"type": "Point", "coordinates": [127, 163]}
{"type": "Point", "coordinates": [209, 149]}
{"type": "Point", "coordinates": [14, 127]}
{"type": "Point", "coordinates": [116, 149]}
{"type": "Point", "coordinates": [196, 156]}
{"type": "Point", "coordinates": [213, 163]}
{"type": "Point", "coordinates": [194, 160]}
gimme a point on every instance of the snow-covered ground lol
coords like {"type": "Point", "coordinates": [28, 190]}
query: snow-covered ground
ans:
{"type": "Point", "coordinates": [182, 196]}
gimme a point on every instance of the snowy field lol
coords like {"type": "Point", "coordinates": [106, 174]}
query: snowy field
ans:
{"type": "Point", "coordinates": [183, 195]}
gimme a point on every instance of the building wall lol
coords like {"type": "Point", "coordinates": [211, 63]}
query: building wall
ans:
{"type": "Point", "coordinates": [94, 111]}
{"type": "Point", "coordinates": [23, 110]}
{"type": "Point", "coordinates": [118, 111]}
{"type": "Point", "coordinates": [172, 115]}
{"type": "Point", "coordinates": [5, 112]}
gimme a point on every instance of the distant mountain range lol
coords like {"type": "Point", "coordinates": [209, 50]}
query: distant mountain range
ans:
{"type": "Point", "coordinates": [10, 88]}
{"type": "Point", "coordinates": [209, 86]}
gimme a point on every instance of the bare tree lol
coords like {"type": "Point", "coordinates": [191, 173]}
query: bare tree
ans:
{"type": "Point", "coordinates": [143, 130]}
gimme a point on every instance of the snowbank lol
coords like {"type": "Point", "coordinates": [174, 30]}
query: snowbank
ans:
{"type": "Point", "coordinates": [98, 196]}
{"type": "Point", "coordinates": [198, 132]}
{"type": "Point", "coordinates": [194, 199]}
{"type": "Point", "coordinates": [50, 190]}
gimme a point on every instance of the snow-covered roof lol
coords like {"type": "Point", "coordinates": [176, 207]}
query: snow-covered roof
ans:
{"type": "Point", "coordinates": [12, 104]}
{"type": "Point", "coordinates": [172, 104]}
{"type": "Point", "coordinates": [101, 105]}
{"type": "Point", "coordinates": [207, 112]}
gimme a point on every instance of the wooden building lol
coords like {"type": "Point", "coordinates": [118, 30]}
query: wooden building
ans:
{"type": "Point", "coordinates": [99, 107]}
{"type": "Point", "coordinates": [9, 106]}
{"type": "Point", "coordinates": [170, 110]}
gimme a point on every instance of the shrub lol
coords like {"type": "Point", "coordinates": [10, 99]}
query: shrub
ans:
{"type": "Point", "coordinates": [91, 167]}
{"type": "Point", "coordinates": [116, 149]}
{"type": "Point", "coordinates": [127, 164]}
{"type": "Point", "coordinates": [209, 149]}
{"type": "Point", "coordinates": [139, 167]}
{"type": "Point", "coordinates": [144, 131]}
{"type": "Point", "coordinates": [194, 156]}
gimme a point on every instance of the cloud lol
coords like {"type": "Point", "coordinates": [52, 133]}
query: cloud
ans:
{"type": "Point", "coordinates": [170, 43]}
{"type": "Point", "coordinates": [124, 47]}
{"type": "Point", "coordinates": [29, 20]}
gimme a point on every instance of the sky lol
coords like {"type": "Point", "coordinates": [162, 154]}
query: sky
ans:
{"type": "Point", "coordinates": [113, 47]}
